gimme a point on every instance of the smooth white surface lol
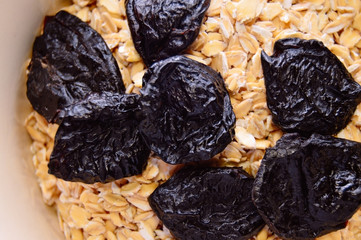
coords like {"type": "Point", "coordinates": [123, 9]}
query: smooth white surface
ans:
{"type": "Point", "coordinates": [23, 215]}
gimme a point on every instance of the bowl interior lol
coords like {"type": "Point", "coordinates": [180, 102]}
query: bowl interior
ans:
{"type": "Point", "coordinates": [23, 213]}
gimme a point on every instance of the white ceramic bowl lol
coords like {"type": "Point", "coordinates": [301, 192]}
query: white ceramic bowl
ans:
{"type": "Point", "coordinates": [23, 215]}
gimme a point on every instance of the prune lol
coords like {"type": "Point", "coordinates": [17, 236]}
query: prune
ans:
{"type": "Point", "coordinates": [102, 148]}
{"type": "Point", "coordinates": [207, 203]}
{"type": "Point", "coordinates": [308, 89]}
{"type": "Point", "coordinates": [187, 111]}
{"type": "Point", "coordinates": [105, 106]}
{"type": "Point", "coordinates": [70, 61]}
{"type": "Point", "coordinates": [164, 28]}
{"type": "Point", "coordinates": [307, 187]}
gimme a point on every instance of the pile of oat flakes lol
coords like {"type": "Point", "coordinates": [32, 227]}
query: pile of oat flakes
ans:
{"type": "Point", "coordinates": [230, 41]}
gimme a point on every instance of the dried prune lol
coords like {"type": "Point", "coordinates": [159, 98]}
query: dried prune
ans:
{"type": "Point", "coordinates": [308, 89]}
{"type": "Point", "coordinates": [307, 187]}
{"type": "Point", "coordinates": [187, 111]}
{"type": "Point", "coordinates": [70, 60]}
{"type": "Point", "coordinates": [105, 106]}
{"type": "Point", "coordinates": [164, 28]}
{"type": "Point", "coordinates": [101, 148]}
{"type": "Point", "coordinates": [207, 203]}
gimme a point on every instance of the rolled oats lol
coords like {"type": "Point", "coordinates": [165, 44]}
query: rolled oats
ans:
{"type": "Point", "coordinates": [270, 11]}
{"type": "Point", "coordinates": [139, 202]}
{"type": "Point", "coordinates": [101, 237]}
{"type": "Point", "coordinates": [95, 228]}
{"type": "Point", "coordinates": [146, 231]}
{"type": "Point", "coordinates": [249, 9]}
{"type": "Point", "coordinates": [349, 37]}
{"type": "Point", "coordinates": [341, 22]}
{"type": "Point", "coordinates": [245, 138]}
{"type": "Point", "coordinates": [79, 216]}
{"type": "Point", "coordinates": [213, 47]}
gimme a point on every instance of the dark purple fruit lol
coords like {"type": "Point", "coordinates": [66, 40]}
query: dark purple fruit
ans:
{"type": "Point", "coordinates": [69, 62]}
{"type": "Point", "coordinates": [308, 89]}
{"type": "Point", "coordinates": [164, 28]}
{"type": "Point", "coordinates": [307, 187]}
{"type": "Point", "coordinates": [207, 204]}
{"type": "Point", "coordinates": [187, 111]}
{"type": "Point", "coordinates": [105, 106]}
{"type": "Point", "coordinates": [100, 145]}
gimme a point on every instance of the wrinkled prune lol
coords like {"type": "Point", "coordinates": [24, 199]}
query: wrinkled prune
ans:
{"type": "Point", "coordinates": [103, 148]}
{"type": "Point", "coordinates": [105, 106]}
{"type": "Point", "coordinates": [70, 60]}
{"type": "Point", "coordinates": [308, 187]}
{"type": "Point", "coordinates": [308, 89]}
{"type": "Point", "coordinates": [187, 109]}
{"type": "Point", "coordinates": [207, 203]}
{"type": "Point", "coordinates": [164, 28]}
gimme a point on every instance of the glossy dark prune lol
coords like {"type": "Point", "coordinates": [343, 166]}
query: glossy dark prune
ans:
{"type": "Point", "coordinates": [164, 28]}
{"type": "Point", "coordinates": [70, 61]}
{"type": "Point", "coordinates": [307, 187]}
{"type": "Point", "coordinates": [106, 106]}
{"type": "Point", "coordinates": [207, 203]}
{"type": "Point", "coordinates": [187, 111]}
{"type": "Point", "coordinates": [103, 147]}
{"type": "Point", "coordinates": [308, 89]}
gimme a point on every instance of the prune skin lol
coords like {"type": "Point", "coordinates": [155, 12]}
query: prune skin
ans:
{"type": "Point", "coordinates": [308, 187]}
{"type": "Point", "coordinates": [164, 28]}
{"type": "Point", "coordinates": [105, 106]}
{"type": "Point", "coordinates": [70, 60]}
{"type": "Point", "coordinates": [187, 111]}
{"type": "Point", "coordinates": [308, 89]}
{"type": "Point", "coordinates": [101, 148]}
{"type": "Point", "coordinates": [207, 203]}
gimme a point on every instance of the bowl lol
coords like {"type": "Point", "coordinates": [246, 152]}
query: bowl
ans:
{"type": "Point", "coordinates": [23, 213]}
